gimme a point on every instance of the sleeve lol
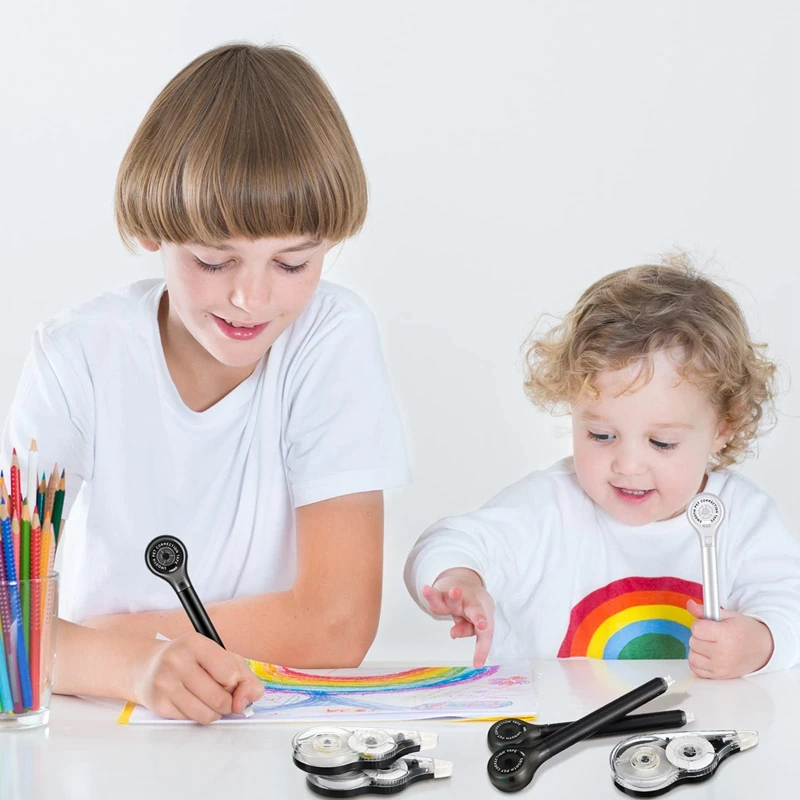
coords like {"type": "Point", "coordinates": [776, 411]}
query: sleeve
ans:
{"type": "Point", "coordinates": [766, 584]}
{"type": "Point", "coordinates": [342, 433]}
{"type": "Point", "coordinates": [509, 543]}
{"type": "Point", "coordinates": [53, 405]}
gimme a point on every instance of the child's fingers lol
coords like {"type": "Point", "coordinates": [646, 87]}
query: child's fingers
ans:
{"type": "Point", "coordinates": [463, 628]}
{"type": "Point", "coordinates": [706, 630]}
{"type": "Point", "coordinates": [226, 668]}
{"type": "Point", "coordinates": [194, 708]}
{"type": "Point", "coordinates": [436, 601]}
{"type": "Point", "coordinates": [701, 647]}
{"type": "Point", "coordinates": [165, 708]}
{"type": "Point", "coordinates": [207, 690]}
{"type": "Point", "coordinates": [700, 665]}
{"type": "Point", "coordinates": [245, 693]}
{"type": "Point", "coordinates": [695, 609]}
{"type": "Point", "coordinates": [455, 601]}
{"type": "Point", "coordinates": [484, 632]}
{"type": "Point", "coordinates": [476, 614]}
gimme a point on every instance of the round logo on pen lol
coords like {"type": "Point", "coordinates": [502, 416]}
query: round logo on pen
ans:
{"type": "Point", "coordinates": [166, 556]}
{"type": "Point", "coordinates": [508, 761]}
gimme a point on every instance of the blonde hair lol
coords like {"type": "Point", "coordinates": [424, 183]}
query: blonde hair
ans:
{"type": "Point", "coordinates": [245, 141]}
{"type": "Point", "coordinates": [625, 317]}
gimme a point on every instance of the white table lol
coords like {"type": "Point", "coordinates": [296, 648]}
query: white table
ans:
{"type": "Point", "coordinates": [85, 754]}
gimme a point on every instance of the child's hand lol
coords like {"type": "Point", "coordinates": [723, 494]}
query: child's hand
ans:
{"type": "Point", "coordinates": [730, 648]}
{"type": "Point", "coordinates": [460, 593]}
{"type": "Point", "coordinates": [192, 677]}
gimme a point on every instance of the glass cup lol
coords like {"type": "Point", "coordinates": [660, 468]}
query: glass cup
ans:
{"type": "Point", "coordinates": [29, 614]}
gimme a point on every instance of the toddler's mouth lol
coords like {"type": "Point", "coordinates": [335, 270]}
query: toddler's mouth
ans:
{"type": "Point", "coordinates": [632, 496]}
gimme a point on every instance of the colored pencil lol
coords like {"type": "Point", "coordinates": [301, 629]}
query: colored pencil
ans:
{"type": "Point", "coordinates": [6, 700]}
{"type": "Point", "coordinates": [36, 605]}
{"type": "Point", "coordinates": [58, 505]}
{"type": "Point", "coordinates": [6, 697]}
{"type": "Point", "coordinates": [25, 572]}
{"type": "Point", "coordinates": [40, 493]}
{"type": "Point", "coordinates": [15, 542]}
{"type": "Point", "coordinates": [13, 634]}
{"type": "Point", "coordinates": [50, 497]}
{"type": "Point", "coordinates": [16, 487]}
{"type": "Point", "coordinates": [48, 599]}
{"type": "Point", "coordinates": [33, 468]}
{"type": "Point", "coordinates": [3, 490]}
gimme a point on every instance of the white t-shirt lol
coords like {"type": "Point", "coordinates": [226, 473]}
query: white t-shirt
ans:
{"type": "Point", "coordinates": [315, 420]}
{"type": "Point", "coordinates": [569, 580]}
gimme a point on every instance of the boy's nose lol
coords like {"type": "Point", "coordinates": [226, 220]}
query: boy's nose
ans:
{"type": "Point", "coordinates": [251, 294]}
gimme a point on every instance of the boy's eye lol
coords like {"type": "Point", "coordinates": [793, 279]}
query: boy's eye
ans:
{"type": "Point", "coordinates": [293, 267]}
{"type": "Point", "coordinates": [210, 267]}
{"type": "Point", "coordinates": [601, 437]}
{"type": "Point", "coordinates": [663, 445]}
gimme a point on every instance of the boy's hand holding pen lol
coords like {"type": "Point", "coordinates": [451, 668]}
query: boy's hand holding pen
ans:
{"type": "Point", "coordinates": [460, 593]}
{"type": "Point", "coordinates": [192, 677]}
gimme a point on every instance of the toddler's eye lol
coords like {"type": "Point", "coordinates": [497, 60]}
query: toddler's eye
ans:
{"type": "Point", "coordinates": [601, 437]}
{"type": "Point", "coordinates": [663, 445]}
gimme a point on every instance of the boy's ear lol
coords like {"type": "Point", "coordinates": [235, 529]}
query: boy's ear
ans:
{"type": "Point", "coordinates": [150, 245]}
{"type": "Point", "coordinates": [724, 432]}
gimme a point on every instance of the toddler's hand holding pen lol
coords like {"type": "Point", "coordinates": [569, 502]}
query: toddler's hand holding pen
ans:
{"type": "Point", "coordinates": [460, 593]}
{"type": "Point", "coordinates": [191, 677]}
{"type": "Point", "coordinates": [730, 648]}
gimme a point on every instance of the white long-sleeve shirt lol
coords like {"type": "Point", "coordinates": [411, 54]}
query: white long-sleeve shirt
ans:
{"type": "Point", "coordinates": [569, 580]}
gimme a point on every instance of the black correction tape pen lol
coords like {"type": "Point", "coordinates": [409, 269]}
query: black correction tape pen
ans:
{"type": "Point", "coordinates": [166, 557]}
{"type": "Point", "coordinates": [513, 768]}
{"type": "Point", "coordinates": [518, 732]}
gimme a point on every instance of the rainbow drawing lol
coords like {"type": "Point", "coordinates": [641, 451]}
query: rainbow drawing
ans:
{"type": "Point", "coordinates": [633, 618]}
{"type": "Point", "coordinates": [291, 681]}
{"type": "Point", "coordinates": [374, 690]}
{"type": "Point", "coordinates": [387, 692]}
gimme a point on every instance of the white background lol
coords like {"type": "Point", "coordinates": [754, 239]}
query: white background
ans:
{"type": "Point", "coordinates": [516, 151]}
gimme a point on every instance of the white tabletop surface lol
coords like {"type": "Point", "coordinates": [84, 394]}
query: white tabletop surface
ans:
{"type": "Point", "coordinates": [85, 754]}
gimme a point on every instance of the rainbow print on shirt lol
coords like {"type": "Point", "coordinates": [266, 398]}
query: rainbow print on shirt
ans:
{"type": "Point", "coordinates": [633, 618]}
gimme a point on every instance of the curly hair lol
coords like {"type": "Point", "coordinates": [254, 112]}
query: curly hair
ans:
{"type": "Point", "coordinates": [625, 317]}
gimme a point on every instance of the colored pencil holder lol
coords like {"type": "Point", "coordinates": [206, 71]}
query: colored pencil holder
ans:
{"type": "Point", "coordinates": [28, 651]}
